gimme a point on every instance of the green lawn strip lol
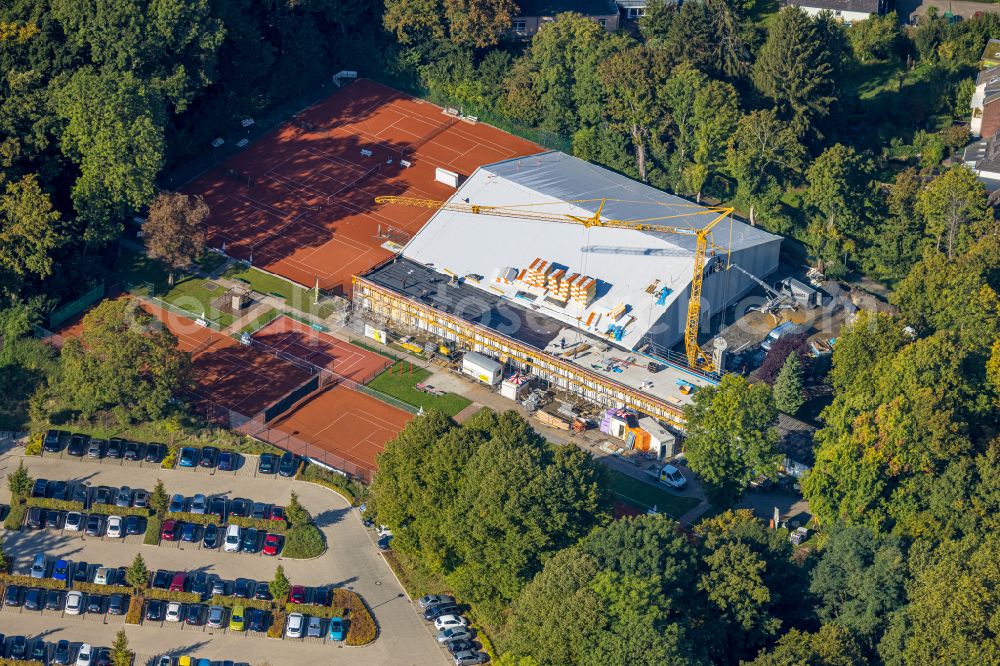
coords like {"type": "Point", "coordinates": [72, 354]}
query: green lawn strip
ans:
{"type": "Point", "coordinates": [646, 496]}
{"type": "Point", "coordinates": [296, 296]}
{"type": "Point", "coordinates": [191, 294]}
{"type": "Point", "coordinates": [261, 321]}
{"type": "Point", "coordinates": [135, 268]}
{"type": "Point", "coordinates": [402, 386]}
{"type": "Point", "coordinates": [209, 261]}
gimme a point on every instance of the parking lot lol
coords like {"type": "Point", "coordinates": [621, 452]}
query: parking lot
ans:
{"type": "Point", "coordinates": [351, 560]}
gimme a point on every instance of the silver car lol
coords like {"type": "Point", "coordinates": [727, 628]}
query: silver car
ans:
{"type": "Point", "coordinates": [199, 504]}
{"type": "Point", "coordinates": [216, 616]}
{"type": "Point", "coordinates": [314, 627]}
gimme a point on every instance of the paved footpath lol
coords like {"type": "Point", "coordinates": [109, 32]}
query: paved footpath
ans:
{"type": "Point", "coordinates": [352, 560]}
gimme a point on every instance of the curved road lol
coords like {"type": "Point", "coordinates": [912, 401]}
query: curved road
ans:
{"type": "Point", "coordinates": [352, 560]}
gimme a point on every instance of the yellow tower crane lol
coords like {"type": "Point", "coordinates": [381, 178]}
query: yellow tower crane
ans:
{"type": "Point", "coordinates": [695, 356]}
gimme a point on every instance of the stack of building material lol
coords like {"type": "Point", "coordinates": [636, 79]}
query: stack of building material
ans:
{"type": "Point", "coordinates": [616, 421]}
{"type": "Point", "coordinates": [639, 437]}
{"type": "Point", "coordinates": [507, 275]}
{"type": "Point", "coordinates": [583, 289]}
{"type": "Point", "coordinates": [537, 274]}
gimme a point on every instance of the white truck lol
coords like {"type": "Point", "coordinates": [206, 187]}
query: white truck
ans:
{"type": "Point", "coordinates": [668, 475]}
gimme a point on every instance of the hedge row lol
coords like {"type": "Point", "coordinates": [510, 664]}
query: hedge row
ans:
{"type": "Point", "coordinates": [230, 602]}
{"type": "Point", "coordinates": [153, 527]}
{"type": "Point", "coordinates": [20, 662]}
{"type": "Point", "coordinates": [28, 581]}
{"type": "Point", "coordinates": [167, 595]}
{"type": "Point", "coordinates": [196, 518]}
{"type": "Point", "coordinates": [15, 519]}
{"type": "Point", "coordinates": [361, 630]}
{"type": "Point", "coordinates": [316, 611]}
{"type": "Point", "coordinates": [93, 588]}
{"type": "Point", "coordinates": [353, 491]}
{"type": "Point", "coordinates": [112, 510]}
{"type": "Point", "coordinates": [170, 459]}
{"type": "Point", "coordinates": [134, 614]}
{"type": "Point", "coordinates": [266, 525]}
{"type": "Point", "coordinates": [304, 542]}
{"type": "Point", "coordinates": [277, 628]}
{"type": "Point", "coordinates": [54, 504]}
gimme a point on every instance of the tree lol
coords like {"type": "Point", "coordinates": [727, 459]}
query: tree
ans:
{"type": "Point", "coordinates": [295, 512]}
{"type": "Point", "coordinates": [875, 40]}
{"type": "Point", "coordinates": [896, 244]}
{"type": "Point", "coordinates": [279, 586]}
{"type": "Point", "coordinates": [716, 114]}
{"type": "Point", "coordinates": [137, 575]}
{"type": "Point", "coordinates": [788, 393]}
{"type": "Point", "coordinates": [474, 23]}
{"type": "Point", "coordinates": [859, 581]}
{"type": "Point", "coordinates": [796, 68]}
{"type": "Point", "coordinates": [121, 655]}
{"type": "Point", "coordinates": [123, 359]}
{"type": "Point", "coordinates": [731, 437]}
{"type": "Point", "coordinates": [832, 645]}
{"type": "Point", "coordinates": [955, 211]}
{"type": "Point", "coordinates": [158, 499]}
{"type": "Point", "coordinates": [113, 129]}
{"type": "Point", "coordinates": [30, 229]}
{"type": "Point", "coordinates": [20, 482]}
{"type": "Point", "coordinates": [678, 95]}
{"type": "Point", "coordinates": [174, 230]}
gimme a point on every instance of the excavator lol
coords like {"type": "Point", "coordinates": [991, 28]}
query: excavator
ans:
{"type": "Point", "coordinates": [696, 358]}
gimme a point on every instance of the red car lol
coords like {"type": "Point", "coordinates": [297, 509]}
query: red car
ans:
{"type": "Point", "coordinates": [171, 530]}
{"type": "Point", "coordinates": [278, 513]}
{"type": "Point", "coordinates": [272, 544]}
{"type": "Point", "coordinates": [298, 594]}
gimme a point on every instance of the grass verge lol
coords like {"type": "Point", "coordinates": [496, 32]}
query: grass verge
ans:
{"type": "Point", "coordinates": [647, 496]}
{"type": "Point", "coordinates": [400, 382]}
{"type": "Point", "coordinates": [353, 491]}
{"type": "Point", "coordinates": [304, 542]}
{"type": "Point", "coordinates": [295, 296]}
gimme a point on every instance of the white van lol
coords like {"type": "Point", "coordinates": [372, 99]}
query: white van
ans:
{"type": "Point", "coordinates": [233, 536]}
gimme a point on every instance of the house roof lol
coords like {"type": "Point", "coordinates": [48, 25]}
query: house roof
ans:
{"type": "Point", "coordinates": [992, 50]}
{"type": "Point", "coordinates": [556, 7]}
{"type": "Point", "coordinates": [866, 6]}
{"type": "Point", "coordinates": [988, 75]}
{"type": "Point", "coordinates": [630, 268]}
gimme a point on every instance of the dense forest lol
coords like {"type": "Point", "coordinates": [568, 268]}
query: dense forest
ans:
{"type": "Point", "coordinates": [839, 137]}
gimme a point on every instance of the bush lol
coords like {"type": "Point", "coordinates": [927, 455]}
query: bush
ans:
{"type": "Point", "coordinates": [20, 662]}
{"type": "Point", "coordinates": [28, 581]}
{"type": "Point", "coordinates": [58, 505]}
{"type": "Point", "coordinates": [34, 446]}
{"type": "Point", "coordinates": [112, 510]}
{"type": "Point", "coordinates": [153, 527]}
{"type": "Point", "coordinates": [170, 460]}
{"type": "Point", "coordinates": [304, 542]}
{"type": "Point", "coordinates": [196, 518]}
{"type": "Point", "coordinates": [361, 629]}
{"type": "Point", "coordinates": [273, 526]}
{"type": "Point", "coordinates": [354, 491]}
{"type": "Point", "coordinates": [277, 628]}
{"type": "Point", "coordinates": [316, 611]}
{"type": "Point", "coordinates": [134, 614]}
{"type": "Point", "coordinates": [91, 588]}
{"type": "Point", "coordinates": [167, 595]}
{"type": "Point", "coordinates": [15, 518]}
{"type": "Point", "coordinates": [229, 602]}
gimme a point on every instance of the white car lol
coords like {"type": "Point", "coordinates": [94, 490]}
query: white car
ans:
{"type": "Point", "coordinates": [74, 521]}
{"type": "Point", "coordinates": [85, 655]}
{"type": "Point", "coordinates": [296, 622]}
{"type": "Point", "coordinates": [232, 543]}
{"type": "Point", "coordinates": [102, 575]}
{"type": "Point", "coordinates": [173, 612]}
{"type": "Point", "coordinates": [116, 527]}
{"type": "Point", "coordinates": [74, 602]}
{"type": "Point", "coordinates": [449, 621]}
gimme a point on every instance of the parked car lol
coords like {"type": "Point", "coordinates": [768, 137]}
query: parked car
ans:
{"type": "Point", "coordinates": [74, 521]}
{"type": "Point", "coordinates": [154, 610]}
{"type": "Point", "coordinates": [267, 464]}
{"type": "Point", "coordinates": [39, 650]}
{"type": "Point", "coordinates": [240, 507]}
{"type": "Point", "coordinates": [119, 576]}
{"type": "Point", "coordinates": [170, 530]}
{"type": "Point", "coordinates": [272, 544]}
{"type": "Point", "coordinates": [188, 457]}
{"type": "Point", "coordinates": [161, 579]}
{"type": "Point", "coordinates": [116, 527]}
{"type": "Point", "coordinates": [80, 572]}
{"type": "Point", "coordinates": [95, 603]}
{"type": "Point", "coordinates": [133, 451]}
{"type": "Point", "coordinates": [209, 457]}
{"type": "Point", "coordinates": [52, 518]}
{"type": "Point", "coordinates": [140, 498]}
{"type": "Point", "coordinates": [277, 513]}
{"type": "Point", "coordinates": [52, 440]}
{"type": "Point", "coordinates": [195, 615]}
{"type": "Point", "coordinates": [104, 576]}
{"type": "Point", "coordinates": [95, 525]}
{"type": "Point", "coordinates": [77, 446]}
{"type": "Point", "coordinates": [314, 627]}
{"type": "Point", "coordinates": [179, 581]}
{"type": "Point", "coordinates": [295, 625]}
{"type": "Point", "coordinates": [39, 566]}
{"type": "Point", "coordinates": [61, 654]}
{"type": "Point", "coordinates": [13, 596]}
{"type": "Point", "coordinates": [60, 570]}
{"type": "Point", "coordinates": [217, 507]}
{"type": "Point", "coordinates": [210, 536]}
{"type": "Point", "coordinates": [18, 648]}
{"type": "Point", "coordinates": [116, 448]}
{"type": "Point", "coordinates": [453, 634]}
{"type": "Point", "coordinates": [297, 595]}
{"type": "Point", "coordinates": [337, 631]}
{"type": "Point", "coordinates": [34, 599]}
{"type": "Point", "coordinates": [228, 461]}
{"type": "Point", "coordinates": [470, 657]}
{"type": "Point", "coordinates": [104, 495]}
{"type": "Point", "coordinates": [176, 505]}
{"type": "Point", "coordinates": [219, 587]}
{"type": "Point", "coordinates": [251, 537]}
{"type": "Point", "coordinates": [258, 620]}
{"type": "Point", "coordinates": [39, 488]}
{"type": "Point", "coordinates": [174, 611]}
{"type": "Point", "coordinates": [449, 621]}
{"type": "Point", "coordinates": [244, 588]}
{"type": "Point", "coordinates": [234, 536]}
{"type": "Point", "coordinates": [36, 518]}
{"type": "Point", "coordinates": [262, 592]}
{"type": "Point", "coordinates": [54, 600]}
{"type": "Point", "coordinates": [288, 465]}
{"type": "Point", "coordinates": [259, 511]}
{"type": "Point", "coordinates": [216, 616]}
{"type": "Point", "coordinates": [199, 583]}
{"type": "Point", "coordinates": [436, 611]}
{"type": "Point", "coordinates": [103, 657]}
{"type": "Point", "coordinates": [199, 504]}
{"type": "Point", "coordinates": [94, 450]}
{"type": "Point", "coordinates": [84, 655]}
{"type": "Point", "coordinates": [57, 490]}
{"type": "Point", "coordinates": [189, 532]}
{"type": "Point", "coordinates": [74, 602]}
{"type": "Point", "coordinates": [460, 645]}
{"type": "Point", "coordinates": [117, 604]}
{"type": "Point", "coordinates": [134, 525]}
{"type": "Point", "coordinates": [154, 452]}
{"type": "Point", "coordinates": [124, 497]}
{"type": "Point", "coordinates": [81, 493]}
{"type": "Point", "coordinates": [237, 620]}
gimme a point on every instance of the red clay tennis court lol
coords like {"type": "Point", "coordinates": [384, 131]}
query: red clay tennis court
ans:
{"type": "Point", "coordinates": [291, 337]}
{"type": "Point", "coordinates": [346, 423]}
{"type": "Point", "coordinates": [300, 201]}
